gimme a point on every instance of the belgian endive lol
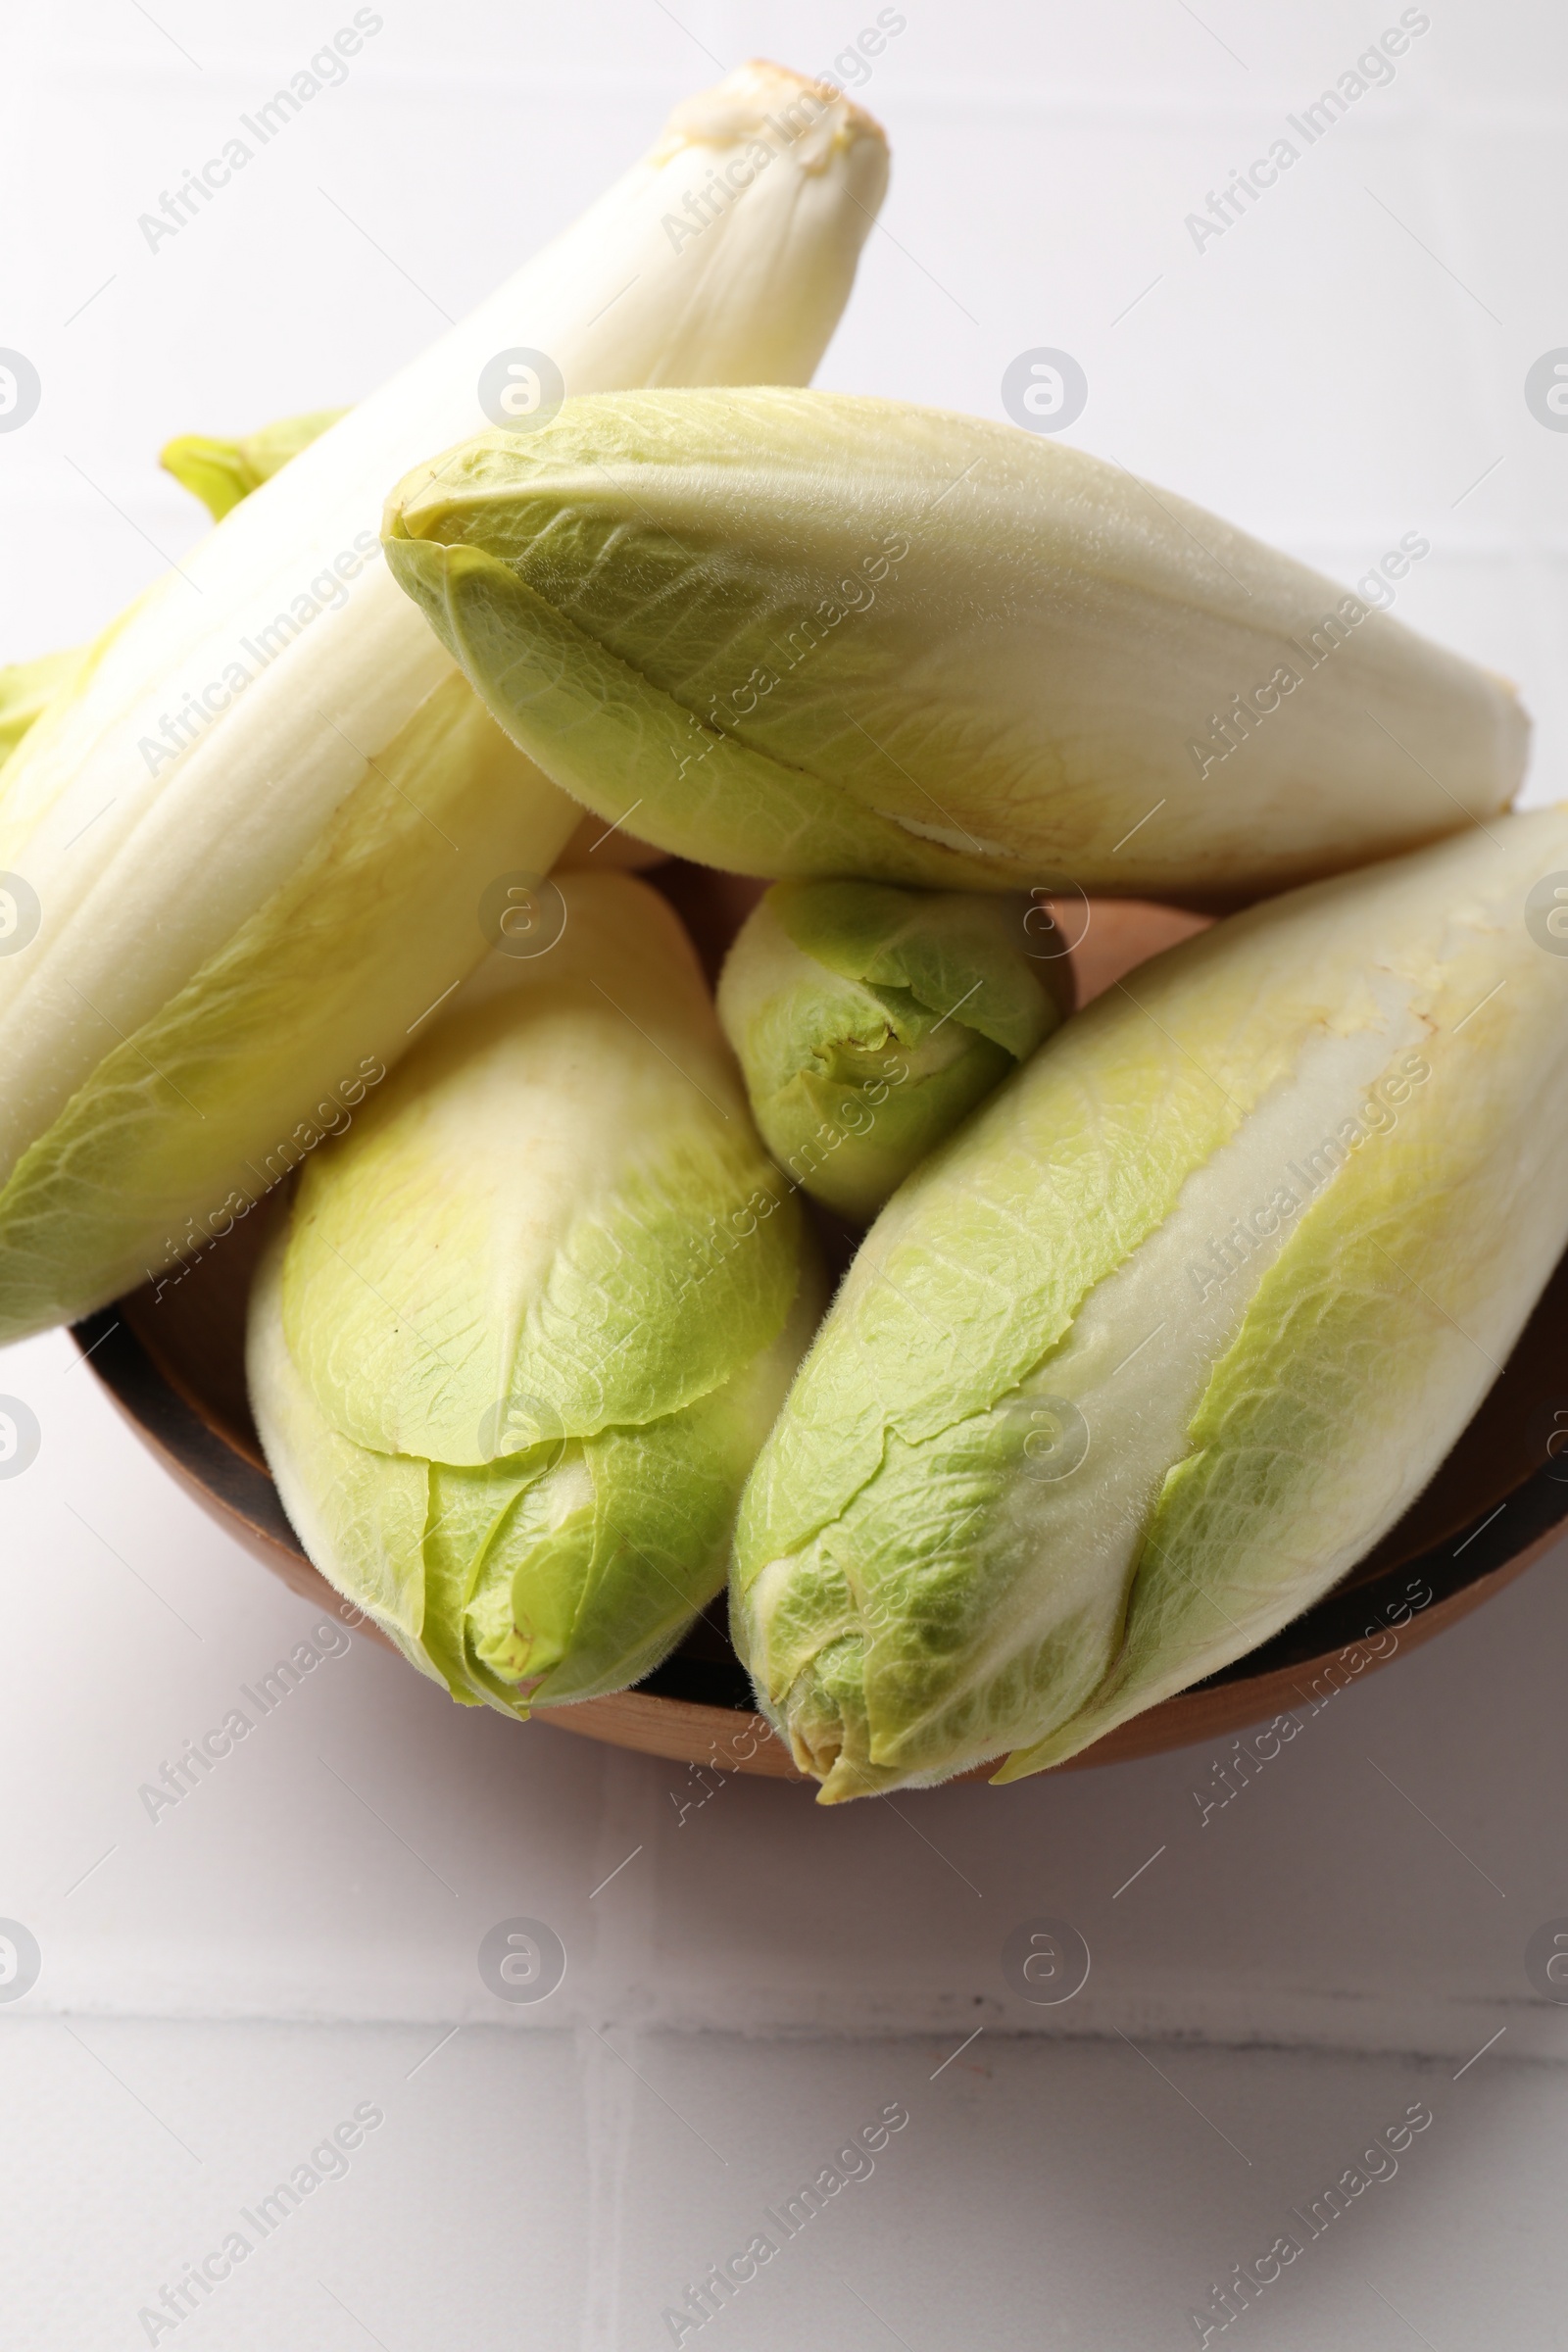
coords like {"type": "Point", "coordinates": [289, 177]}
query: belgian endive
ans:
{"type": "Point", "coordinates": [533, 1315]}
{"type": "Point", "coordinates": [249, 852]}
{"type": "Point", "coordinates": [809, 634]}
{"type": "Point", "coordinates": [868, 1021]}
{"type": "Point", "coordinates": [1143, 1360]}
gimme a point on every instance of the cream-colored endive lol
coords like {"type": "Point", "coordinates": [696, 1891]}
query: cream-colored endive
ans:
{"type": "Point", "coordinates": [868, 1021]}
{"type": "Point", "coordinates": [809, 634]}
{"type": "Point", "coordinates": [533, 1314]}
{"type": "Point", "coordinates": [252, 849]}
{"type": "Point", "coordinates": [1138, 1364]}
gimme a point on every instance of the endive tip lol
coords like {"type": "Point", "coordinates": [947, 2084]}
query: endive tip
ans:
{"type": "Point", "coordinates": [761, 95]}
{"type": "Point", "coordinates": [843, 1779]}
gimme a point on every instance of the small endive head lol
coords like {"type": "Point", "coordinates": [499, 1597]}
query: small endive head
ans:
{"type": "Point", "coordinates": [870, 1021]}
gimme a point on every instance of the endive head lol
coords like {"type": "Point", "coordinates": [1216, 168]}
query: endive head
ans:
{"type": "Point", "coordinates": [869, 1021]}
{"type": "Point", "coordinates": [1139, 1364]}
{"type": "Point", "coordinates": [533, 1314]}
{"type": "Point", "coordinates": [809, 634]}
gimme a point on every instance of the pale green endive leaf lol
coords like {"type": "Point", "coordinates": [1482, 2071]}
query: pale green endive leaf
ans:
{"type": "Point", "coordinates": [27, 687]}
{"type": "Point", "coordinates": [223, 472]}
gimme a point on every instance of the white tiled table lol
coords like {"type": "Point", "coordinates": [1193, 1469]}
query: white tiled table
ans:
{"type": "Point", "coordinates": [223, 1984]}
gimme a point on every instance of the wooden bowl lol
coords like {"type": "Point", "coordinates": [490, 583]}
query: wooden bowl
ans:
{"type": "Point", "coordinates": [175, 1369]}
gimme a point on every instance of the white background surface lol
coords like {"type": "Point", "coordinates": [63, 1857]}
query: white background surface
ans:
{"type": "Point", "coordinates": [218, 1989]}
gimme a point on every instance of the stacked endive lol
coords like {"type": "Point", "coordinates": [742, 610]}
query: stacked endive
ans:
{"type": "Point", "coordinates": [1107, 1395]}
{"type": "Point", "coordinates": [247, 849]}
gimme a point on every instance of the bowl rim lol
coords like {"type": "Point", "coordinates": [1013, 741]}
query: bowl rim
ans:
{"type": "Point", "coordinates": [691, 1712]}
